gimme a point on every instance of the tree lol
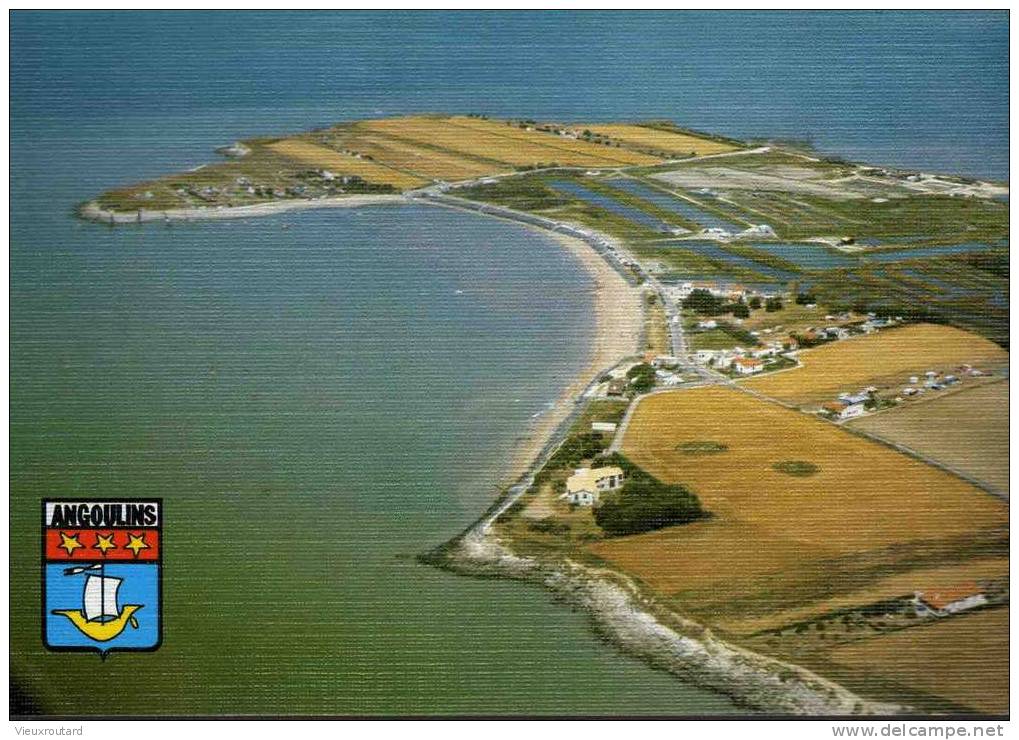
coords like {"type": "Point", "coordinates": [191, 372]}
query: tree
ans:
{"type": "Point", "coordinates": [804, 299]}
{"type": "Point", "coordinates": [740, 311]}
{"type": "Point", "coordinates": [704, 302]}
{"type": "Point", "coordinates": [643, 504]}
{"type": "Point", "coordinates": [773, 304]}
{"type": "Point", "coordinates": [642, 377]}
{"type": "Point", "coordinates": [755, 302]}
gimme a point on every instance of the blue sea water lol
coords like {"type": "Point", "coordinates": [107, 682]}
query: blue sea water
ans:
{"type": "Point", "coordinates": [318, 404]}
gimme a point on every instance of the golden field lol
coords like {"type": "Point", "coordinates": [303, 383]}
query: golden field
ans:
{"type": "Point", "coordinates": [616, 156]}
{"type": "Point", "coordinates": [966, 429]}
{"type": "Point", "coordinates": [313, 155]}
{"type": "Point", "coordinates": [890, 587]}
{"type": "Point", "coordinates": [499, 149]}
{"type": "Point", "coordinates": [886, 358]}
{"type": "Point", "coordinates": [426, 163]}
{"type": "Point", "coordinates": [778, 542]}
{"type": "Point", "coordinates": [963, 660]}
{"type": "Point", "coordinates": [677, 143]}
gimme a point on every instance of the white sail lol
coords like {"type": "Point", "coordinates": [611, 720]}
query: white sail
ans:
{"type": "Point", "coordinates": [101, 597]}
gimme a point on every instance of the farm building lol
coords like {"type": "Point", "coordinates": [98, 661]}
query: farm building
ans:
{"type": "Point", "coordinates": [586, 485]}
{"type": "Point", "coordinates": [841, 410]}
{"type": "Point", "coordinates": [747, 365]}
{"type": "Point", "coordinates": [603, 426]}
{"type": "Point", "coordinates": [945, 601]}
{"type": "Point", "coordinates": [617, 387]}
{"type": "Point", "coordinates": [852, 398]}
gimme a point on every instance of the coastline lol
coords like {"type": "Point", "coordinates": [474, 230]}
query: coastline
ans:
{"type": "Point", "coordinates": [636, 625]}
{"type": "Point", "coordinates": [618, 313]}
{"type": "Point", "coordinates": [91, 211]}
{"type": "Point", "coordinates": [619, 612]}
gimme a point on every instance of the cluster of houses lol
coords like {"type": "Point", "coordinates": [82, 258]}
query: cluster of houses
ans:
{"type": "Point", "coordinates": [935, 381]}
{"type": "Point", "coordinates": [729, 291]}
{"type": "Point", "coordinates": [851, 405]}
{"type": "Point", "coordinates": [743, 361]}
{"type": "Point", "coordinates": [311, 183]}
{"type": "Point", "coordinates": [586, 485]}
{"type": "Point", "coordinates": [666, 369]}
{"type": "Point", "coordinates": [757, 231]}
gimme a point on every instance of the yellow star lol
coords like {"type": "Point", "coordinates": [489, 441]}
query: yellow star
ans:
{"type": "Point", "coordinates": [104, 543]}
{"type": "Point", "coordinates": [69, 542]}
{"type": "Point", "coordinates": [136, 543]}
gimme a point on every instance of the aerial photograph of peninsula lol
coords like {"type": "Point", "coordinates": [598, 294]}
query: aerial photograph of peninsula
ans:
{"type": "Point", "coordinates": [509, 364]}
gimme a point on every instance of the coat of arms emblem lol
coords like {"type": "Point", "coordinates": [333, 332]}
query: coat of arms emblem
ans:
{"type": "Point", "coordinates": [102, 574]}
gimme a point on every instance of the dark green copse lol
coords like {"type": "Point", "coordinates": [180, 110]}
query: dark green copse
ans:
{"type": "Point", "coordinates": [642, 377]}
{"type": "Point", "coordinates": [644, 503]}
{"type": "Point", "coordinates": [703, 302]}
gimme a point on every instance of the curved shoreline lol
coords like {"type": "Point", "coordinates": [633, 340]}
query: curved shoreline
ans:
{"type": "Point", "coordinates": [637, 626]}
{"type": "Point", "coordinates": [619, 612]}
{"type": "Point", "coordinates": [91, 210]}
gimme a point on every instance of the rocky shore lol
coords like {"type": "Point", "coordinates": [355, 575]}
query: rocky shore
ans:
{"type": "Point", "coordinates": [633, 623]}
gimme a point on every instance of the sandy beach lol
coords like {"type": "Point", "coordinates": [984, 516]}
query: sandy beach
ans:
{"type": "Point", "coordinates": [619, 320]}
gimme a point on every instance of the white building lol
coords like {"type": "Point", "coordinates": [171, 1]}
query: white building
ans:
{"type": "Point", "coordinates": [603, 426]}
{"type": "Point", "coordinates": [945, 601]}
{"type": "Point", "coordinates": [747, 365]}
{"type": "Point", "coordinates": [842, 410]}
{"type": "Point", "coordinates": [853, 398]}
{"type": "Point", "coordinates": [585, 486]}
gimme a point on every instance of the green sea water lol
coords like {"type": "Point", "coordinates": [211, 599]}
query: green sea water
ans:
{"type": "Point", "coordinates": [318, 404]}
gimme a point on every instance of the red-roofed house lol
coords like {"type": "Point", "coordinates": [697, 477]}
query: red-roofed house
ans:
{"type": "Point", "coordinates": [941, 602]}
{"type": "Point", "coordinates": [747, 365]}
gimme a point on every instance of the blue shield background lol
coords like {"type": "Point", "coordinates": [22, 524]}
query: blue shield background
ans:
{"type": "Point", "coordinates": [140, 586]}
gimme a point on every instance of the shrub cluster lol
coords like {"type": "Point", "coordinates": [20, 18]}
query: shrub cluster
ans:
{"type": "Point", "coordinates": [644, 503]}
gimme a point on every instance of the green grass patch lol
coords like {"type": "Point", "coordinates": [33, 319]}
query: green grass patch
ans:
{"type": "Point", "coordinates": [798, 468]}
{"type": "Point", "coordinates": [702, 447]}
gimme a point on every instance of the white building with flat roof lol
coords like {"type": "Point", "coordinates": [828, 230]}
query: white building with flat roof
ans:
{"type": "Point", "coordinates": [585, 486]}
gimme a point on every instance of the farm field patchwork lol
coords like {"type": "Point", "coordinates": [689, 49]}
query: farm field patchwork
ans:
{"type": "Point", "coordinates": [617, 155]}
{"type": "Point", "coordinates": [870, 523]}
{"type": "Point", "coordinates": [967, 429]}
{"type": "Point", "coordinates": [313, 155]}
{"type": "Point", "coordinates": [897, 499]}
{"type": "Point", "coordinates": [540, 149]}
{"type": "Point", "coordinates": [885, 357]}
{"type": "Point", "coordinates": [964, 660]}
{"type": "Point", "coordinates": [653, 138]}
{"type": "Point", "coordinates": [422, 161]}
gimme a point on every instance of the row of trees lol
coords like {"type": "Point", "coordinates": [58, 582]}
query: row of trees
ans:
{"type": "Point", "coordinates": [708, 304]}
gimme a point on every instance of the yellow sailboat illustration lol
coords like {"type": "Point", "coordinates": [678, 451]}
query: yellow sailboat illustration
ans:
{"type": "Point", "coordinates": [100, 618]}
